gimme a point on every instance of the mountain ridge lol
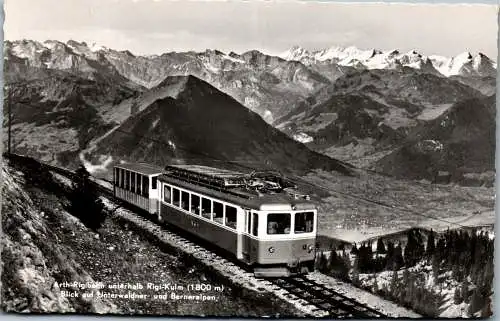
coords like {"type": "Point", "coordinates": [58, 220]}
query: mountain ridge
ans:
{"type": "Point", "coordinates": [461, 64]}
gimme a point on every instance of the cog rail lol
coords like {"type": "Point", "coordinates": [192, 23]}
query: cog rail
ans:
{"type": "Point", "coordinates": [324, 298]}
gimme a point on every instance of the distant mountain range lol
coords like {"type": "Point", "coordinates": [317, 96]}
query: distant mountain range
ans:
{"type": "Point", "coordinates": [358, 106]}
{"type": "Point", "coordinates": [464, 64]}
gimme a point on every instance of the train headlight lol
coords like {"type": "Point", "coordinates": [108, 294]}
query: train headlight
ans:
{"type": "Point", "coordinates": [310, 248]}
{"type": "Point", "coordinates": [271, 249]}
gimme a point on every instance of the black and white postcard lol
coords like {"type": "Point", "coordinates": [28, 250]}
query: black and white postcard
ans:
{"type": "Point", "coordinates": [277, 159]}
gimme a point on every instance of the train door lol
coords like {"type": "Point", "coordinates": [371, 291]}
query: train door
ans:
{"type": "Point", "coordinates": [245, 246]}
{"type": "Point", "coordinates": [252, 230]}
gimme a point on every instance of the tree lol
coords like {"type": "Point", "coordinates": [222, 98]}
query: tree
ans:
{"type": "Point", "coordinates": [354, 249]}
{"type": "Point", "coordinates": [457, 297]}
{"type": "Point", "coordinates": [85, 201]}
{"type": "Point", "coordinates": [476, 302]}
{"type": "Point", "coordinates": [321, 262]}
{"type": "Point", "coordinates": [380, 246]}
{"type": "Point", "coordinates": [435, 267]}
{"type": "Point", "coordinates": [464, 290]}
{"type": "Point", "coordinates": [394, 283]}
{"type": "Point", "coordinates": [486, 310]}
{"type": "Point", "coordinates": [375, 288]}
{"type": "Point", "coordinates": [431, 246]}
{"type": "Point", "coordinates": [398, 260]}
{"type": "Point", "coordinates": [355, 272]}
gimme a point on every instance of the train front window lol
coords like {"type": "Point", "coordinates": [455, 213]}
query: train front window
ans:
{"type": "Point", "coordinates": [304, 222]}
{"type": "Point", "coordinates": [278, 223]}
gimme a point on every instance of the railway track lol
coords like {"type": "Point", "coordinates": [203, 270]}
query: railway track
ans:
{"type": "Point", "coordinates": [324, 298]}
{"type": "Point", "coordinates": [312, 298]}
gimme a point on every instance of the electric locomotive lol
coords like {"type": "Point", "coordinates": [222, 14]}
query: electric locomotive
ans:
{"type": "Point", "coordinates": [258, 218]}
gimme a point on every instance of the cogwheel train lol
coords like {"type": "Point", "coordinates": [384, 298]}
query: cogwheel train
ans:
{"type": "Point", "coordinates": [258, 218]}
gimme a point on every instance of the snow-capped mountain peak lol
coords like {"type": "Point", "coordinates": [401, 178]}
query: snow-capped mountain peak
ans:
{"type": "Point", "coordinates": [464, 64]}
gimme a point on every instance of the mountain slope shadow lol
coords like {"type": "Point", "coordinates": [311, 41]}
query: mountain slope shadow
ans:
{"type": "Point", "coordinates": [460, 143]}
{"type": "Point", "coordinates": [199, 124]}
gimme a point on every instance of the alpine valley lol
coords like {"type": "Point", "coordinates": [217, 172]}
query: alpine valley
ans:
{"type": "Point", "coordinates": [364, 107]}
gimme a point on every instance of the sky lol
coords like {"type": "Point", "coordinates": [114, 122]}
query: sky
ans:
{"type": "Point", "coordinates": [157, 26]}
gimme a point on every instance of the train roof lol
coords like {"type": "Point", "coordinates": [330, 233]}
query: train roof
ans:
{"type": "Point", "coordinates": [141, 168]}
{"type": "Point", "coordinates": [230, 186]}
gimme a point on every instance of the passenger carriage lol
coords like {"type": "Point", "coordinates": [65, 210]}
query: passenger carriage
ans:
{"type": "Point", "coordinates": [251, 218]}
{"type": "Point", "coordinates": [257, 218]}
{"type": "Point", "coordinates": [137, 183]}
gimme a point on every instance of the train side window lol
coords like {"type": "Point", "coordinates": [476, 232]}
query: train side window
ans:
{"type": "Point", "coordinates": [145, 186]}
{"type": "Point", "coordinates": [176, 197]}
{"type": "Point", "coordinates": [248, 222]}
{"type": "Point", "coordinates": [132, 182]}
{"type": "Point", "coordinates": [231, 216]}
{"type": "Point", "coordinates": [138, 184]}
{"type": "Point", "coordinates": [167, 196]}
{"type": "Point", "coordinates": [120, 181]}
{"type": "Point", "coordinates": [116, 176]}
{"type": "Point", "coordinates": [154, 182]}
{"type": "Point", "coordinates": [185, 201]}
{"type": "Point", "coordinates": [206, 208]}
{"type": "Point", "coordinates": [218, 212]}
{"type": "Point", "coordinates": [195, 204]}
{"type": "Point", "coordinates": [278, 223]}
{"type": "Point", "coordinates": [304, 222]}
{"type": "Point", "coordinates": [127, 180]}
{"type": "Point", "coordinates": [255, 224]}
{"type": "Point", "coordinates": [122, 177]}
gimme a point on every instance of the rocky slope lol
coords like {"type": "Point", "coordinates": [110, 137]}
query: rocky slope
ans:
{"type": "Point", "coordinates": [457, 146]}
{"type": "Point", "coordinates": [265, 84]}
{"type": "Point", "coordinates": [365, 113]}
{"type": "Point", "coordinates": [33, 256]}
{"type": "Point", "coordinates": [56, 113]}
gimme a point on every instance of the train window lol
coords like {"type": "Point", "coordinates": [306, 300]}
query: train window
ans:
{"type": "Point", "coordinates": [304, 222]}
{"type": "Point", "coordinates": [154, 182]}
{"type": "Point", "coordinates": [167, 196]}
{"type": "Point", "coordinates": [231, 216]}
{"type": "Point", "coordinates": [278, 223]}
{"type": "Point", "coordinates": [206, 208]}
{"type": "Point", "coordinates": [116, 176]}
{"type": "Point", "coordinates": [145, 186]}
{"type": "Point", "coordinates": [132, 182]}
{"type": "Point", "coordinates": [195, 204]}
{"type": "Point", "coordinates": [255, 224]}
{"type": "Point", "coordinates": [127, 180]}
{"type": "Point", "coordinates": [218, 212]}
{"type": "Point", "coordinates": [176, 197]}
{"type": "Point", "coordinates": [185, 200]}
{"type": "Point", "coordinates": [122, 177]}
{"type": "Point", "coordinates": [248, 225]}
{"type": "Point", "coordinates": [138, 184]}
